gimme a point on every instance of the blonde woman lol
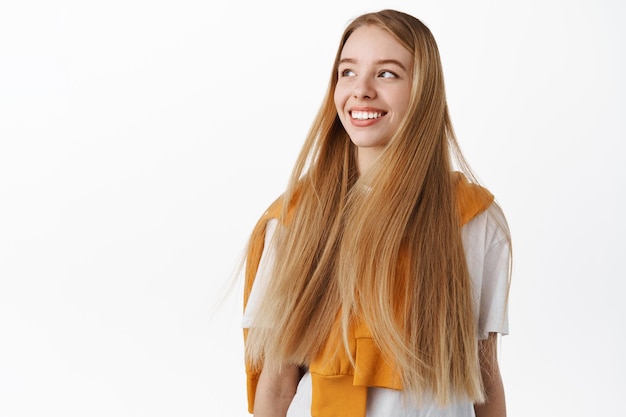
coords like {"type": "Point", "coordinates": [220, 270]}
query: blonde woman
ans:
{"type": "Point", "coordinates": [376, 285]}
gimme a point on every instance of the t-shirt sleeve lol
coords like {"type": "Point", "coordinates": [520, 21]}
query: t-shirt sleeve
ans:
{"type": "Point", "coordinates": [259, 287]}
{"type": "Point", "coordinates": [487, 250]}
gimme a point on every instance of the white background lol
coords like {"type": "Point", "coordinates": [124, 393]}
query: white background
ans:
{"type": "Point", "coordinates": [139, 142]}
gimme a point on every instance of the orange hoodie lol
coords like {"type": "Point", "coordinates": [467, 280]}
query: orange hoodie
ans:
{"type": "Point", "coordinates": [340, 390]}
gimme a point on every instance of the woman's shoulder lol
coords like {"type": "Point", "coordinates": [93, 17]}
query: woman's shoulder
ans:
{"type": "Point", "coordinates": [489, 227]}
{"type": "Point", "coordinates": [472, 199]}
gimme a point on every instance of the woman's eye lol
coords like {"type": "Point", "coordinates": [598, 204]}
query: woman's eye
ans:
{"type": "Point", "coordinates": [387, 74]}
{"type": "Point", "coordinates": [347, 73]}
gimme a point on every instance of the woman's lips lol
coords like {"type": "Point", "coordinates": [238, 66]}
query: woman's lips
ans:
{"type": "Point", "coordinates": [364, 118]}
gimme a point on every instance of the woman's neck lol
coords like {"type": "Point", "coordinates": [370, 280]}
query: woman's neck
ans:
{"type": "Point", "coordinates": [365, 158]}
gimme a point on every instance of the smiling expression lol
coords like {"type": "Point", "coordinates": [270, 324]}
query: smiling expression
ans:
{"type": "Point", "coordinates": [373, 89]}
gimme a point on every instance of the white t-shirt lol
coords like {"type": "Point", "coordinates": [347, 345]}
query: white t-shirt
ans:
{"type": "Point", "coordinates": [486, 244]}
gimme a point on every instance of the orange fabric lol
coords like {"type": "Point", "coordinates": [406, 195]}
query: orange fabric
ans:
{"type": "Point", "coordinates": [335, 381]}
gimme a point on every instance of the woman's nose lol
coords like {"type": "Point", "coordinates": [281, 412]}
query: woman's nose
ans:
{"type": "Point", "coordinates": [364, 89]}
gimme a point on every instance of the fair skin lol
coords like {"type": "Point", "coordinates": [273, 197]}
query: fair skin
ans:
{"type": "Point", "coordinates": [372, 96]}
{"type": "Point", "coordinates": [275, 390]}
{"type": "Point", "coordinates": [495, 405]}
{"type": "Point", "coordinates": [373, 90]}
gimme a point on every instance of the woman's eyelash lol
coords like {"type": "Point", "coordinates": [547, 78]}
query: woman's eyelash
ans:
{"type": "Point", "coordinates": [347, 72]}
{"type": "Point", "coordinates": [390, 74]}
{"type": "Point", "coordinates": [384, 74]}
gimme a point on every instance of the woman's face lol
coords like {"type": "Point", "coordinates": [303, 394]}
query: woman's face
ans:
{"type": "Point", "coordinates": [373, 89]}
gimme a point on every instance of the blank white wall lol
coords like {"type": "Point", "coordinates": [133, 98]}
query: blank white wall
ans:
{"type": "Point", "coordinates": [139, 142]}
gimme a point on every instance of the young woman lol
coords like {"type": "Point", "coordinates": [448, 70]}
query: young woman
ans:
{"type": "Point", "coordinates": [377, 283]}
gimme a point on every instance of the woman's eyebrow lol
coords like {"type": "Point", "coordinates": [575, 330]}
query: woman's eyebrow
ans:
{"type": "Point", "coordinates": [379, 62]}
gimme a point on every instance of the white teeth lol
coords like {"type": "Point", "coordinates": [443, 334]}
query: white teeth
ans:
{"type": "Point", "coordinates": [364, 115]}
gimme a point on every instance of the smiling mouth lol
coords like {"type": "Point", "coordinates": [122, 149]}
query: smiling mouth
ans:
{"type": "Point", "coordinates": [366, 115]}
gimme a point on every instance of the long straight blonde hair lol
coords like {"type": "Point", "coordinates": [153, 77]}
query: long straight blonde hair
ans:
{"type": "Point", "coordinates": [346, 243]}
